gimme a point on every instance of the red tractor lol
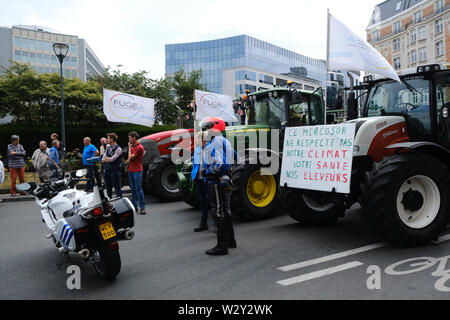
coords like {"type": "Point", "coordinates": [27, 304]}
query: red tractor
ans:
{"type": "Point", "coordinates": [160, 174]}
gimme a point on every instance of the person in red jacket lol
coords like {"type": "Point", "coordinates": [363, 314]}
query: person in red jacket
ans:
{"type": "Point", "coordinates": [135, 169]}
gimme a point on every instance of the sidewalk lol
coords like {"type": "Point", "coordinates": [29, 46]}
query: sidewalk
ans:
{"type": "Point", "coordinates": [6, 197]}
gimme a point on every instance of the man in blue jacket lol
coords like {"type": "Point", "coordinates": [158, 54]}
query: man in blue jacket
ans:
{"type": "Point", "coordinates": [218, 159]}
{"type": "Point", "coordinates": [200, 181]}
{"type": "Point", "coordinates": [89, 151]}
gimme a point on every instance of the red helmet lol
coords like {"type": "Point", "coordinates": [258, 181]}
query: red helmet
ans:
{"type": "Point", "coordinates": [216, 124]}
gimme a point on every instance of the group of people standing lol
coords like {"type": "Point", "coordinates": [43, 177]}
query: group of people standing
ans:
{"type": "Point", "coordinates": [48, 164]}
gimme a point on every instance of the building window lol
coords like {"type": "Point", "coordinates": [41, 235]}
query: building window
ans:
{"type": "Point", "coordinates": [439, 6]}
{"type": "Point", "coordinates": [439, 48]}
{"type": "Point", "coordinates": [376, 35]}
{"type": "Point", "coordinates": [422, 33]}
{"type": "Point", "coordinates": [418, 17]}
{"type": "Point", "coordinates": [413, 35]}
{"type": "Point", "coordinates": [397, 63]}
{"type": "Point", "coordinates": [439, 26]}
{"type": "Point", "coordinates": [245, 75]}
{"type": "Point", "coordinates": [265, 79]}
{"type": "Point", "coordinates": [399, 5]}
{"type": "Point", "coordinates": [397, 27]}
{"type": "Point", "coordinates": [396, 44]}
{"type": "Point", "coordinates": [413, 56]}
{"type": "Point", "coordinates": [422, 54]}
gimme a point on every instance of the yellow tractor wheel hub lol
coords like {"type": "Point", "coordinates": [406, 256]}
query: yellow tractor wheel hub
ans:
{"type": "Point", "coordinates": [261, 189]}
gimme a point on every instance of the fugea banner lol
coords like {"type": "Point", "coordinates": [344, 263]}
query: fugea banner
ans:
{"type": "Point", "coordinates": [318, 157]}
{"type": "Point", "coordinates": [348, 52]}
{"type": "Point", "coordinates": [128, 108]}
{"type": "Point", "coordinates": [214, 105]}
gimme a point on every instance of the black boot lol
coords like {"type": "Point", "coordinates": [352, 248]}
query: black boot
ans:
{"type": "Point", "coordinates": [221, 247]}
{"type": "Point", "coordinates": [217, 251]}
{"type": "Point", "coordinates": [229, 233]}
{"type": "Point", "coordinates": [201, 228]}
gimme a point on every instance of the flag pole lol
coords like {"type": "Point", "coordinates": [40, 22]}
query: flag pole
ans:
{"type": "Point", "coordinates": [196, 129]}
{"type": "Point", "coordinates": [327, 61]}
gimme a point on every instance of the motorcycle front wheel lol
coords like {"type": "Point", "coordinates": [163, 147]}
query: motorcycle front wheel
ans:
{"type": "Point", "coordinates": [106, 262]}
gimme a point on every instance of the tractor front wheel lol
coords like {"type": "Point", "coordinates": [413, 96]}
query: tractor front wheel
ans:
{"type": "Point", "coordinates": [314, 208]}
{"type": "Point", "coordinates": [406, 198]}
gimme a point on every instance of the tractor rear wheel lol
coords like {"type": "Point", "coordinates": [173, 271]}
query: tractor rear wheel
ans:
{"type": "Point", "coordinates": [405, 198]}
{"type": "Point", "coordinates": [255, 192]}
{"type": "Point", "coordinates": [163, 180]}
{"type": "Point", "coordinates": [314, 208]}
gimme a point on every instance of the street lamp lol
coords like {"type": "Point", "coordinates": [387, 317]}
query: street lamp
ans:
{"type": "Point", "coordinates": [61, 50]}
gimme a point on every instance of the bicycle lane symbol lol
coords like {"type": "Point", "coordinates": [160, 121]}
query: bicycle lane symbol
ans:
{"type": "Point", "coordinates": [420, 264]}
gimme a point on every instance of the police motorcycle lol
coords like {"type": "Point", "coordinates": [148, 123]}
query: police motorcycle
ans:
{"type": "Point", "coordinates": [87, 224]}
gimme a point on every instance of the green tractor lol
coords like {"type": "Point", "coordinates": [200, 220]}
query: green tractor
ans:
{"type": "Point", "coordinates": [263, 117]}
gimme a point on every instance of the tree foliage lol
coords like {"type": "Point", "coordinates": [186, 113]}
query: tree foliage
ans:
{"type": "Point", "coordinates": [34, 99]}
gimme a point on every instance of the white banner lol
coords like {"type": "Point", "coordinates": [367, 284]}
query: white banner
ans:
{"type": "Point", "coordinates": [128, 108]}
{"type": "Point", "coordinates": [214, 105]}
{"type": "Point", "coordinates": [348, 52]}
{"type": "Point", "coordinates": [318, 157]}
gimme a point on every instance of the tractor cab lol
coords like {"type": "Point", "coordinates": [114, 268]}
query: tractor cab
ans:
{"type": "Point", "coordinates": [279, 107]}
{"type": "Point", "coordinates": [422, 99]}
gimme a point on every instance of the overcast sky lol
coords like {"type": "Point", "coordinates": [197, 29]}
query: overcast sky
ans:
{"type": "Point", "coordinates": [133, 32]}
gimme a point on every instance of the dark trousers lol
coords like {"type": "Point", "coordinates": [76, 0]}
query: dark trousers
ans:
{"type": "Point", "coordinates": [90, 176]}
{"type": "Point", "coordinates": [202, 190]}
{"type": "Point", "coordinates": [112, 179]}
{"type": "Point", "coordinates": [219, 202]}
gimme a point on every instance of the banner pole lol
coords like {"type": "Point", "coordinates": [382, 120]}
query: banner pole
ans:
{"type": "Point", "coordinates": [327, 62]}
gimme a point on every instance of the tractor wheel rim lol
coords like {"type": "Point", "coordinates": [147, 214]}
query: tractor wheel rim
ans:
{"type": "Point", "coordinates": [418, 201]}
{"type": "Point", "coordinates": [316, 204]}
{"type": "Point", "coordinates": [169, 180]}
{"type": "Point", "coordinates": [261, 189]}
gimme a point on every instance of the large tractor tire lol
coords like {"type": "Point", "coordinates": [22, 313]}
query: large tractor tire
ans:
{"type": "Point", "coordinates": [254, 196]}
{"type": "Point", "coordinates": [163, 180]}
{"type": "Point", "coordinates": [405, 198]}
{"type": "Point", "coordinates": [314, 208]}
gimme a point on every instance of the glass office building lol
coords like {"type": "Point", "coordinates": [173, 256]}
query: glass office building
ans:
{"type": "Point", "coordinates": [213, 56]}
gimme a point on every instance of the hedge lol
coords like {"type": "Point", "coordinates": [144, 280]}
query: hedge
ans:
{"type": "Point", "coordinates": [31, 136]}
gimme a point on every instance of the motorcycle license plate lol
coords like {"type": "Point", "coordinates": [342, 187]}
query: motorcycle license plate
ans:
{"type": "Point", "coordinates": [107, 230]}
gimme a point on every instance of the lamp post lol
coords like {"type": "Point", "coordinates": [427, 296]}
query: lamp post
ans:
{"type": "Point", "coordinates": [61, 50]}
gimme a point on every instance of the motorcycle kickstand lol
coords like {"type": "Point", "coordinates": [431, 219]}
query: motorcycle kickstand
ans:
{"type": "Point", "coordinates": [60, 265]}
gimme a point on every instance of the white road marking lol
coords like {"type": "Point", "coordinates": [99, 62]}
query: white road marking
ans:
{"type": "Point", "coordinates": [320, 273]}
{"type": "Point", "coordinates": [443, 238]}
{"type": "Point", "coordinates": [331, 257]}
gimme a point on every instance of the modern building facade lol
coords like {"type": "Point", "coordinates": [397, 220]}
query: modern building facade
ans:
{"type": "Point", "coordinates": [231, 65]}
{"type": "Point", "coordinates": [33, 45]}
{"type": "Point", "coordinates": [409, 33]}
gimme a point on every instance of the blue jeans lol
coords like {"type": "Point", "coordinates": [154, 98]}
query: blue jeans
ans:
{"type": "Point", "coordinates": [112, 179]}
{"type": "Point", "coordinates": [136, 189]}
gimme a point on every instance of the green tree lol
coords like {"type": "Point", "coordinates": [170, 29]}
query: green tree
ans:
{"type": "Point", "coordinates": [35, 99]}
{"type": "Point", "coordinates": [185, 84]}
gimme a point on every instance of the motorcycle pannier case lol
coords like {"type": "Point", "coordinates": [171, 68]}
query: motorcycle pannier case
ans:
{"type": "Point", "coordinates": [123, 214]}
{"type": "Point", "coordinates": [73, 232]}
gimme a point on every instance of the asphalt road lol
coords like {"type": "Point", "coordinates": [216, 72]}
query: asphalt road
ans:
{"type": "Point", "coordinates": [275, 259]}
